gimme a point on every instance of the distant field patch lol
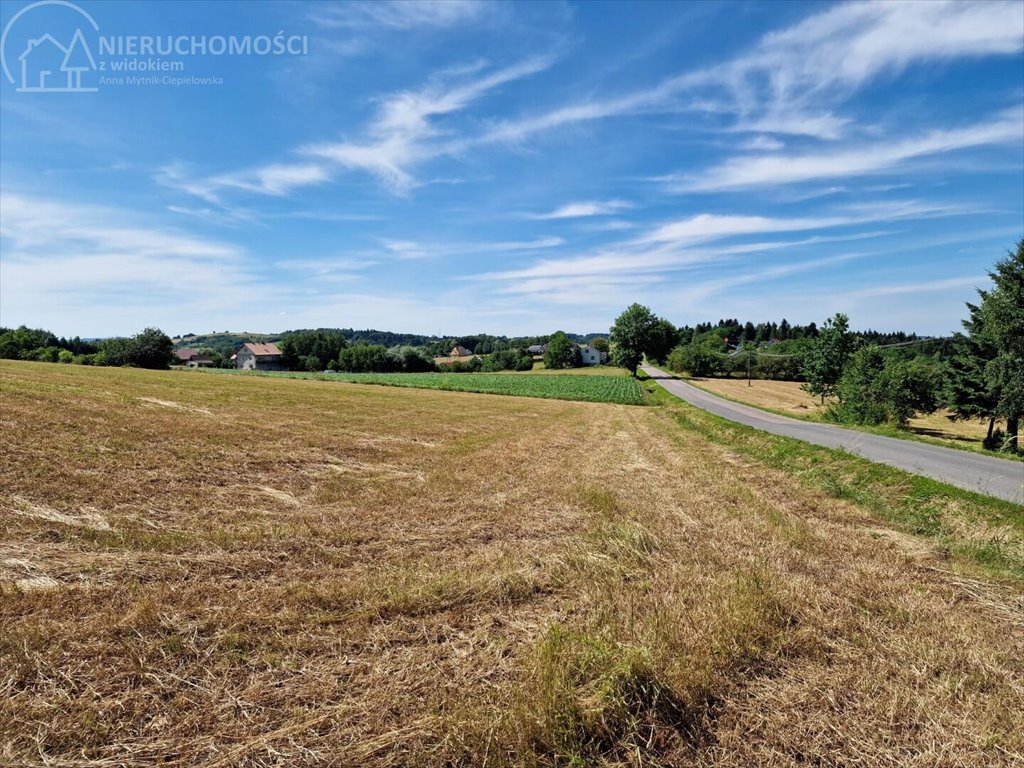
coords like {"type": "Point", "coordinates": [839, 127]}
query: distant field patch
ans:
{"type": "Point", "coordinates": [592, 370]}
{"type": "Point", "coordinates": [592, 389]}
{"type": "Point", "coordinates": [585, 388]}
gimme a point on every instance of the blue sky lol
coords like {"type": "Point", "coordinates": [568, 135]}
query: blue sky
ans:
{"type": "Point", "coordinates": [458, 167]}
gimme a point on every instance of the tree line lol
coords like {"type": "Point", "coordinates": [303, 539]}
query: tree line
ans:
{"type": "Point", "coordinates": [150, 348]}
{"type": "Point", "coordinates": [326, 349]}
{"type": "Point", "coordinates": [980, 375]}
{"type": "Point", "coordinates": [977, 374]}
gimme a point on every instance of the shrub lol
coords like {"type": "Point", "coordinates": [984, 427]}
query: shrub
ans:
{"type": "Point", "coordinates": [860, 390]}
{"type": "Point", "coordinates": [876, 390]}
{"type": "Point", "coordinates": [21, 342]}
{"type": "Point", "coordinates": [697, 359]}
{"type": "Point", "coordinates": [312, 350]}
{"type": "Point", "coordinates": [151, 348]}
{"type": "Point", "coordinates": [505, 360]}
{"type": "Point", "coordinates": [561, 352]}
{"type": "Point", "coordinates": [779, 368]}
{"type": "Point", "coordinates": [910, 387]}
{"type": "Point", "coordinates": [45, 354]}
{"type": "Point", "coordinates": [412, 360]}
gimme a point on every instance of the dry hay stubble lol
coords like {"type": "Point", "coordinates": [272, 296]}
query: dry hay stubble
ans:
{"type": "Point", "coordinates": [551, 553]}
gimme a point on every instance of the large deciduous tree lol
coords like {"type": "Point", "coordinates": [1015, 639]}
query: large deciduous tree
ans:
{"type": "Point", "coordinates": [662, 339]}
{"type": "Point", "coordinates": [631, 336]}
{"type": "Point", "coordinates": [152, 348]}
{"type": "Point", "coordinates": [824, 362]}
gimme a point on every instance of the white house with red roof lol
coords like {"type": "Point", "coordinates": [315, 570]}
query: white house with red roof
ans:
{"type": "Point", "coordinates": [259, 357]}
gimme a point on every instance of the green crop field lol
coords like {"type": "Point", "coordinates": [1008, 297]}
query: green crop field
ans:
{"type": "Point", "coordinates": [591, 389]}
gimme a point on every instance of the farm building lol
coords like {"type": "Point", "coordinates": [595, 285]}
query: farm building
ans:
{"type": "Point", "coordinates": [192, 359]}
{"type": "Point", "coordinates": [591, 356]}
{"type": "Point", "coordinates": [259, 357]}
{"type": "Point", "coordinates": [537, 349]}
{"type": "Point", "coordinates": [460, 351]}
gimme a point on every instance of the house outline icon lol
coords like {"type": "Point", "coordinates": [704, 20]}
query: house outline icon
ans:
{"type": "Point", "coordinates": [72, 69]}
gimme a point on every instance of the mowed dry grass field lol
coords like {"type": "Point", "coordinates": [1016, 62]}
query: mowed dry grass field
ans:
{"type": "Point", "coordinates": [236, 571]}
{"type": "Point", "coordinates": [787, 397]}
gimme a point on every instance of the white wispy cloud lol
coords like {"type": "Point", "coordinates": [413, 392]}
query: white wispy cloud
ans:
{"type": "Point", "coordinates": [678, 245]}
{"type": "Point", "coordinates": [396, 14]}
{"type": "Point", "coordinates": [582, 210]}
{"type": "Point", "coordinates": [276, 179]}
{"type": "Point", "coordinates": [233, 217]}
{"type": "Point", "coordinates": [704, 289]}
{"type": "Point", "coordinates": [326, 269]}
{"type": "Point", "coordinates": [327, 264]}
{"type": "Point", "coordinates": [106, 265]}
{"type": "Point", "coordinates": [761, 144]}
{"type": "Point", "coordinates": [36, 225]}
{"type": "Point", "coordinates": [697, 240]}
{"type": "Point", "coordinates": [177, 175]}
{"type": "Point", "coordinates": [744, 172]}
{"type": "Point", "coordinates": [408, 249]}
{"type": "Point", "coordinates": [586, 290]}
{"type": "Point", "coordinates": [927, 286]}
{"type": "Point", "coordinates": [402, 135]}
{"type": "Point", "coordinates": [854, 42]}
{"type": "Point", "coordinates": [612, 225]}
{"type": "Point", "coordinates": [792, 80]}
{"type": "Point", "coordinates": [706, 227]}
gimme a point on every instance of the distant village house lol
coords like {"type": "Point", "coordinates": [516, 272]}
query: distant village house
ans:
{"type": "Point", "coordinates": [591, 356]}
{"type": "Point", "coordinates": [192, 359]}
{"type": "Point", "coordinates": [259, 357]}
{"type": "Point", "coordinates": [459, 351]}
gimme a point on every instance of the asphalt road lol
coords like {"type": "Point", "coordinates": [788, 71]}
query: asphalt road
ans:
{"type": "Point", "coordinates": [1001, 478]}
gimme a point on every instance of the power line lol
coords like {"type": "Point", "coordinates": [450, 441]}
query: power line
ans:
{"type": "Point", "coordinates": [757, 352]}
{"type": "Point", "coordinates": [915, 341]}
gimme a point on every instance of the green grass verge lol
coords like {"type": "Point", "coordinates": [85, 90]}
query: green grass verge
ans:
{"type": "Point", "coordinates": [593, 389]}
{"type": "Point", "coordinates": [984, 531]}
